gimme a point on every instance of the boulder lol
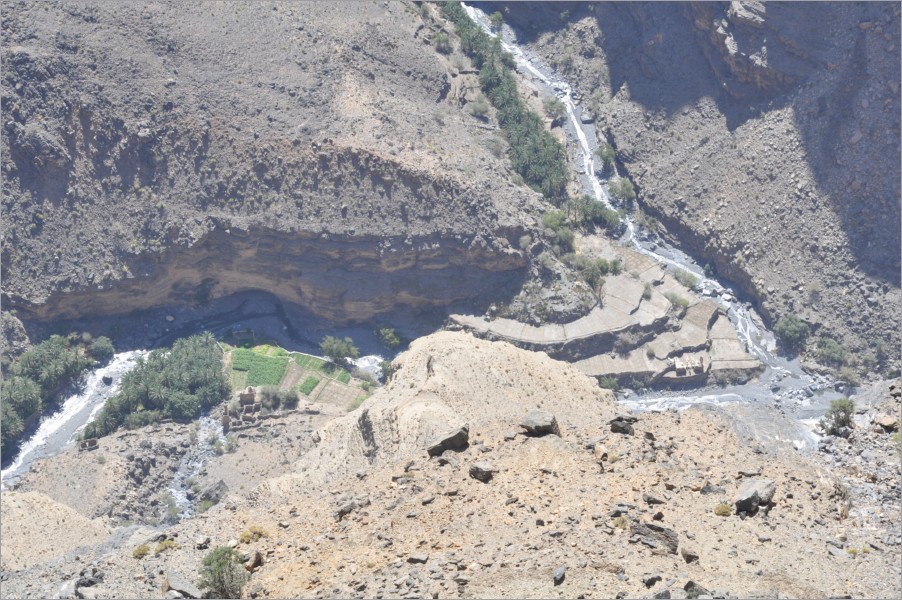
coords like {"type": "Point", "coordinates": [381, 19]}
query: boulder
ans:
{"type": "Point", "coordinates": [482, 471]}
{"type": "Point", "coordinates": [888, 422]}
{"type": "Point", "coordinates": [255, 562]}
{"type": "Point", "coordinates": [660, 539]}
{"type": "Point", "coordinates": [623, 424]}
{"type": "Point", "coordinates": [694, 590]}
{"type": "Point", "coordinates": [559, 574]}
{"type": "Point", "coordinates": [418, 559]}
{"type": "Point", "coordinates": [753, 493]}
{"type": "Point", "coordinates": [175, 581]}
{"type": "Point", "coordinates": [456, 439]}
{"type": "Point", "coordinates": [215, 492]}
{"type": "Point", "coordinates": [688, 554]}
{"type": "Point", "coordinates": [650, 580]}
{"type": "Point", "coordinates": [650, 500]}
{"type": "Point", "coordinates": [539, 422]}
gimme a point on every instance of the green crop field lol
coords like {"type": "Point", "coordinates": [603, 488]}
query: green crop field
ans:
{"type": "Point", "coordinates": [261, 370]}
{"type": "Point", "coordinates": [309, 385]}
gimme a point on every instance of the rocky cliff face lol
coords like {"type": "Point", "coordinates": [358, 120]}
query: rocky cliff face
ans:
{"type": "Point", "coordinates": [764, 138]}
{"type": "Point", "coordinates": [172, 155]}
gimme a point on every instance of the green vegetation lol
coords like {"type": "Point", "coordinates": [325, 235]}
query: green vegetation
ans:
{"type": "Point", "coordinates": [609, 383]}
{"type": "Point", "coordinates": [838, 417]}
{"type": "Point", "coordinates": [305, 361]}
{"type": "Point", "coordinates": [831, 352]}
{"type": "Point", "coordinates": [554, 108]}
{"type": "Point", "coordinates": [253, 533]}
{"type": "Point", "coordinates": [261, 370]}
{"type": "Point", "coordinates": [723, 510]}
{"type": "Point", "coordinates": [564, 238]}
{"type": "Point", "coordinates": [496, 19]}
{"type": "Point", "coordinates": [141, 551]}
{"type": "Point", "coordinates": [343, 377]}
{"type": "Point", "coordinates": [388, 337]}
{"type": "Point", "coordinates": [792, 332]}
{"type": "Point", "coordinates": [442, 43]}
{"type": "Point", "coordinates": [593, 271]}
{"type": "Point", "coordinates": [36, 381]}
{"type": "Point", "coordinates": [205, 505]}
{"type": "Point", "coordinates": [177, 383]}
{"type": "Point", "coordinates": [623, 190]}
{"type": "Point", "coordinates": [339, 351]}
{"type": "Point", "coordinates": [587, 211]}
{"type": "Point", "coordinates": [535, 154]}
{"type": "Point", "coordinates": [480, 106]}
{"type": "Point", "coordinates": [273, 398]}
{"type": "Point", "coordinates": [165, 545]}
{"type": "Point", "coordinates": [222, 573]}
{"type": "Point", "coordinates": [102, 350]}
{"type": "Point", "coordinates": [606, 153]}
{"type": "Point", "coordinates": [309, 385]}
{"type": "Point", "coordinates": [677, 302]}
{"type": "Point", "coordinates": [622, 522]}
{"type": "Point", "coordinates": [686, 278]}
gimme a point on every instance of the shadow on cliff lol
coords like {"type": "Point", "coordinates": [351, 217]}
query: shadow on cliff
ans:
{"type": "Point", "coordinates": [658, 53]}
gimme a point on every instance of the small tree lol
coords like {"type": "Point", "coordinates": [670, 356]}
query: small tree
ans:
{"type": "Point", "coordinates": [102, 350]}
{"type": "Point", "coordinates": [442, 43]}
{"type": "Point", "coordinates": [222, 573]}
{"type": "Point", "coordinates": [497, 20]}
{"type": "Point", "coordinates": [554, 108]}
{"type": "Point", "coordinates": [388, 337]}
{"type": "Point", "coordinates": [838, 418]}
{"type": "Point", "coordinates": [338, 351]}
{"type": "Point", "coordinates": [623, 190]}
{"type": "Point", "coordinates": [606, 153]}
{"type": "Point", "coordinates": [792, 332]}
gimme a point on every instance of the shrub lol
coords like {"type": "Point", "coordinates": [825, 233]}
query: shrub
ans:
{"type": "Point", "coordinates": [479, 107]}
{"type": "Point", "coordinates": [606, 153]}
{"type": "Point", "coordinates": [205, 505]}
{"type": "Point", "coordinates": [622, 522]}
{"type": "Point", "coordinates": [792, 332]}
{"type": "Point", "coordinates": [497, 20]}
{"type": "Point", "coordinates": [677, 302]}
{"type": "Point", "coordinates": [141, 551]}
{"type": "Point", "coordinates": [554, 108]}
{"type": "Point", "coordinates": [165, 545]}
{"type": "Point", "coordinates": [102, 350]}
{"type": "Point", "coordinates": [831, 352]}
{"type": "Point", "coordinates": [442, 43]}
{"type": "Point", "coordinates": [253, 533]}
{"type": "Point", "coordinates": [623, 190]}
{"type": "Point", "coordinates": [838, 417]}
{"type": "Point", "coordinates": [686, 278]}
{"type": "Point", "coordinates": [849, 375]}
{"type": "Point", "coordinates": [646, 292]}
{"type": "Point", "coordinates": [388, 337]}
{"type": "Point", "coordinates": [609, 383]}
{"type": "Point", "coordinates": [588, 211]}
{"type": "Point", "coordinates": [222, 573]}
{"type": "Point", "coordinates": [723, 510]}
{"type": "Point", "coordinates": [339, 351]}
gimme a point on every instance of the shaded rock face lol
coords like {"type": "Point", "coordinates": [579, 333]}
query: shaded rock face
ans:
{"type": "Point", "coordinates": [764, 138]}
{"type": "Point", "coordinates": [337, 277]}
{"type": "Point", "coordinates": [347, 183]}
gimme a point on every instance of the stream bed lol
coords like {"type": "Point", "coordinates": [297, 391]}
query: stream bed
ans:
{"type": "Point", "coordinates": [783, 386]}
